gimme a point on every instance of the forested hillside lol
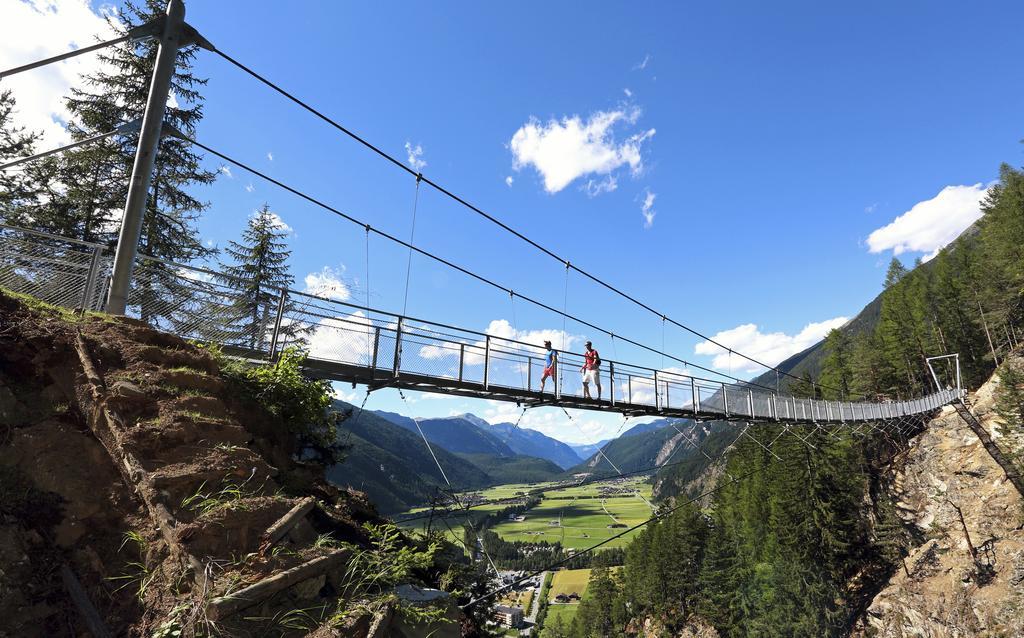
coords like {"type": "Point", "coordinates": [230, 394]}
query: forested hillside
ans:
{"type": "Point", "coordinates": [797, 541]}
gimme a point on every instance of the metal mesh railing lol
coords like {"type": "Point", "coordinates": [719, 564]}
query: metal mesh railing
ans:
{"type": "Point", "coordinates": [205, 305]}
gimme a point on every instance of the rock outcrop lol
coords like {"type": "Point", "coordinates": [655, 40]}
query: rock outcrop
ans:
{"type": "Point", "coordinates": [967, 577]}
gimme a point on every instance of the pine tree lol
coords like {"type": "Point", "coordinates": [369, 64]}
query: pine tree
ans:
{"type": "Point", "coordinates": [259, 270]}
{"type": "Point", "coordinates": [837, 367]}
{"type": "Point", "coordinates": [19, 189]}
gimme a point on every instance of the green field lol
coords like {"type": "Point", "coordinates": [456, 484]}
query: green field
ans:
{"type": "Point", "coordinates": [576, 517]}
{"type": "Point", "coordinates": [567, 581]}
{"type": "Point", "coordinates": [579, 518]}
{"type": "Point", "coordinates": [556, 613]}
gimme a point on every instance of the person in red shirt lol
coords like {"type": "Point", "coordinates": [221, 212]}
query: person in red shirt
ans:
{"type": "Point", "coordinates": [591, 371]}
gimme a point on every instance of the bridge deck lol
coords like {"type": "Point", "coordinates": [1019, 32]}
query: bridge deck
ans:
{"type": "Point", "coordinates": [352, 343]}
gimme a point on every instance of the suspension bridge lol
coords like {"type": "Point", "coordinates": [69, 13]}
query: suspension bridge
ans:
{"type": "Point", "coordinates": [377, 348]}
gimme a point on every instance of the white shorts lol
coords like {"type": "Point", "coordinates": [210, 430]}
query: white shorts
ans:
{"type": "Point", "coordinates": [592, 376]}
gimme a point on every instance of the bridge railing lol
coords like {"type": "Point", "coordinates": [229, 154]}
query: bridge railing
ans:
{"type": "Point", "coordinates": [206, 305]}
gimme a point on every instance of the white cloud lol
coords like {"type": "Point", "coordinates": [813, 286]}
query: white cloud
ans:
{"type": "Point", "coordinates": [345, 338]}
{"type": "Point", "coordinates": [508, 181]}
{"type": "Point", "coordinates": [414, 154]}
{"type": "Point", "coordinates": [640, 66]}
{"type": "Point", "coordinates": [328, 283]}
{"type": "Point", "coordinates": [931, 224]}
{"type": "Point", "coordinates": [594, 188]}
{"type": "Point", "coordinates": [563, 150]}
{"type": "Point", "coordinates": [276, 221]}
{"type": "Point", "coordinates": [769, 348]}
{"type": "Point", "coordinates": [627, 92]}
{"type": "Point", "coordinates": [34, 29]}
{"type": "Point", "coordinates": [270, 156]}
{"type": "Point", "coordinates": [226, 170]}
{"type": "Point", "coordinates": [647, 209]}
{"type": "Point", "coordinates": [585, 427]}
{"type": "Point", "coordinates": [249, 187]}
{"type": "Point", "coordinates": [871, 208]}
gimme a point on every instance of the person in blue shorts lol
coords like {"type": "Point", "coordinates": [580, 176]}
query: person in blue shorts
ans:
{"type": "Point", "coordinates": [550, 362]}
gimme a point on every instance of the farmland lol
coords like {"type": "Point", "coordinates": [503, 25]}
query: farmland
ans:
{"type": "Point", "coordinates": [576, 517]}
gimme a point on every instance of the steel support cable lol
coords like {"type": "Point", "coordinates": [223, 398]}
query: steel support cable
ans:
{"type": "Point", "coordinates": [412, 237]}
{"type": "Point", "coordinates": [605, 456]}
{"type": "Point", "coordinates": [456, 267]}
{"type": "Point", "coordinates": [61, 149]}
{"type": "Point", "coordinates": [451, 488]}
{"type": "Point", "coordinates": [444, 191]}
{"type": "Point", "coordinates": [657, 517]}
{"type": "Point", "coordinates": [66, 56]}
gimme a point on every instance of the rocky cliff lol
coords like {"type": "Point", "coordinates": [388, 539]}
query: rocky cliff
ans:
{"type": "Point", "coordinates": [967, 576]}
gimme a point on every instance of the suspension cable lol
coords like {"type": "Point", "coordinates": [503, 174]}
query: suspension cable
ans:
{"type": "Point", "coordinates": [565, 315]}
{"type": "Point", "coordinates": [412, 237]}
{"type": "Point", "coordinates": [444, 191]}
{"type": "Point", "coordinates": [61, 149]}
{"type": "Point", "coordinates": [451, 488]}
{"type": "Point", "coordinates": [66, 56]}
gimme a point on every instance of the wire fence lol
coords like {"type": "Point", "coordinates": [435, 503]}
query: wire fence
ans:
{"type": "Point", "coordinates": [353, 342]}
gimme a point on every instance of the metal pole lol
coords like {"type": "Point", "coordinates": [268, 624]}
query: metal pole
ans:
{"type": "Point", "coordinates": [487, 358]}
{"type": "Point", "coordinates": [398, 348]}
{"type": "Point", "coordinates": [462, 359]}
{"type": "Point", "coordinates": [145, 157]}
{"type": "Point", "coordinates": [281, 300]}
{"type": "Point", "coordinates": [611, 381]}
{"type": "Point", "coordinates": [529, 374]}
{"type": "Point", "coordinates": [696, 396]}
{"type": "Point", "coordinates": [90, 282]}
{"type": "Point", "coordinates": [725, 399]}
{"type": "Point", "coordinates": [657, 394]}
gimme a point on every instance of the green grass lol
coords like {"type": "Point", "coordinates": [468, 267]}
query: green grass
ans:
{"type": "Point", "coordinates": [565, 613]}
{"type": "Point", "coordinates": [568, 581]}
{"type": "Point", "coordinates": [583, 520]}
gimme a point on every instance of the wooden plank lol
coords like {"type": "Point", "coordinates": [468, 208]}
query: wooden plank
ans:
{"type": "Point", "coordinates": [285, 524]}
{"type": "Point", "coordinates": [231, 604]}
{"type": "Point", "coordinates": [90, 616]}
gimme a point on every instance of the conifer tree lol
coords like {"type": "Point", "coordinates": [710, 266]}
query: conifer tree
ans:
{"type": "Point", "coordinates": [259, 269]}
{"type": "Point", "coordinates": [837, 367]}
{"type": "Point", "coordinates": [19, 188]}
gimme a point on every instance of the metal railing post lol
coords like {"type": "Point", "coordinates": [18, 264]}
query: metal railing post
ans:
{"type": "Point", "coordinates": [657, 394]}
{"type": "Point", "coordinates": [275, 335]}
{"type": "Point", "coordinates": [89, 293]}
{"type": "Point", "coordinates": [462, 359]}
{"type": "Point", "coordinates": [611, 381]}
{"type": "Point", "coordinates": [529, 374]}
{"type": "Point", "coordinates": [557, 363]}
{"type": "Point", "coordinates": [145, 157]}
{"type": "Point", "coordinates": [828, 411]}
{"type": "Point", "coordinates": [696, 396]}
{"type": "Point", "coordinates": [750, 402]}
{"type": "Point", "coordinates": [487, 359]}
{"type": "Point", "coordinates": [773, 407]}
{"type": "Point", "coordinates": [396, 367]}
{"type": "Point", "coordinates": [376, 346]}
{"type": "Point", "coordinates": [725, 399]}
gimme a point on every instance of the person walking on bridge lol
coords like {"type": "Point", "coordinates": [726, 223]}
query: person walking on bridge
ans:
{"type": "Point", "coordinates": [591, 371]}
{"type": "Point", "coordinates": [550, 361]}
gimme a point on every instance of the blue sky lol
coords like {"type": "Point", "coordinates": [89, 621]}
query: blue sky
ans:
{"type": "Point", "coordinates": [785, 152]}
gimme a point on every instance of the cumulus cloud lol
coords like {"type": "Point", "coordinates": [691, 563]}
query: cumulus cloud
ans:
{"type": "Point", "coordinates": [586, 427]}
{"type": "Point", "coordinates": [276, 221]}
{"type": "Point", "coordinates": [627, 92]}
{"type": "Point", "coordinates": [647, 209]}
{"type": "Point", "coordinates": [931, 224]}
{"type": "Point", "coordinates": [249, 187]}
{"type": "Point", "coordinates": [35, 29]}
{"type": "Point", "coordinates": [564, 150]}
{"type": "Point", "coordinates": [270, 156]}
{"type": "Point", "coordinates": [226, 170]}
{"type": "Point", "coordinates": [414, 155]}
{"type": "Point", "coordinates": [770, 348]}
{"type": "Point", "coordinates": [508, 181]}
{"type": "Point", "coordinates": [346, 338]}
{"type": "Point", "coordinates": [328, 282]}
